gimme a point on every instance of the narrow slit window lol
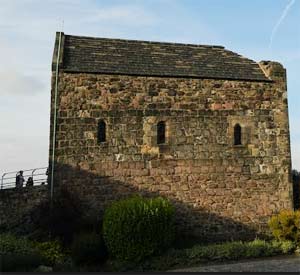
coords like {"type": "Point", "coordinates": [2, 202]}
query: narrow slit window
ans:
{"type": "Point", "coordinates": [101, 131]}
{"type": "Point", "coordinates": [161, 132]}
{"type": "Point", "coordinates": [237, 134]}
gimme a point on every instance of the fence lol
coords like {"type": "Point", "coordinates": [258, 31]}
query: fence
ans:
{"type": "Point", "coordinates": [39, 176]}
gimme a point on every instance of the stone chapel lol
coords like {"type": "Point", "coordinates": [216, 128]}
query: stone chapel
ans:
{"type": "Point", "coordinates": [198, 124]}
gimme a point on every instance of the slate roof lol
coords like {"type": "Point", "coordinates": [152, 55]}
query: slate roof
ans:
{"type": "Point", "coordinates": [145, 58]}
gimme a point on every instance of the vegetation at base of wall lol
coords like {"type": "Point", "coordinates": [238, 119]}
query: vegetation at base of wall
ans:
{"type": "Point", "coordinates": [286, 226]}
{"type": "Point", "coordinates": [230, 251]}
{"type": "Point", "coordinates": [51, 251]}
{"type": "Point", "coordinates": [12, 244]}
{"type": "Point", "coordinates": [18, 254]}
{"type": "Point", "coordinates": [88, 248]}
{"type": "Point", "coordinates": [62, 219]}
{"type": "Point", "coordinates": [287, 247]}
{"type": "Point", "coordinates": [138, 227]}
{"type": "Point", "coordinates": [199, 254]}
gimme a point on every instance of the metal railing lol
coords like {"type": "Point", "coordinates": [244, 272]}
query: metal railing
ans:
{"type": "Point", "coordinates": [39, 177]}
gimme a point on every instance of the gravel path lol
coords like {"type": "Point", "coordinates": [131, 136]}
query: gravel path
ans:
{"type": "Point", "coordinates": [274, 264]}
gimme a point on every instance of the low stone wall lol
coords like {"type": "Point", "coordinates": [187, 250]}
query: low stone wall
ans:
{"type": "Point", "coordinates": [15, 204]}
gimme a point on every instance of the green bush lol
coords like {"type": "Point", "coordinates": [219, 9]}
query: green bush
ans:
{"type": "Point", "coordinates": [51, 251]}
{"type": "Point", "coordinates": [286, 247]}
{"type": "Point", "coordinates": [88, 248]}
{"type": "Point", "coordinates": [286, 226]}
{"type": "Point", "coordinates": [137, 227]}
{"type": "Point", "coordinates": [18, 254]}
{"type": "Point", "coordinates": [11, 244]}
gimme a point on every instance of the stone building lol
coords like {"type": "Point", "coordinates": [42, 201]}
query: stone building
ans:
{"type": "Point", "coordinates": [201, 125]}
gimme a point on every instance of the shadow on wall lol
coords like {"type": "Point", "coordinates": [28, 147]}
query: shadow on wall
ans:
{"type": "Point", "coordinates": [98, 192]}
{"type": "Point", "coordinates": [16, 204]}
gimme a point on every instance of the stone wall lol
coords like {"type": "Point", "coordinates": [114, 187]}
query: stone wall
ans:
{"type": "Point", "coordinates": [220, 190]}
{"type": "Point", "coordinates": [15, 205]}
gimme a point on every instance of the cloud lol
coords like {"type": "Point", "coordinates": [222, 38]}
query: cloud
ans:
{"type": "Point", "coordinates": [283, 15]}
{"type": "Point", "coordinates": [15, 83]}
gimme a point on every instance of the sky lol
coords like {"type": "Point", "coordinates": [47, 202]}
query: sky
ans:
{"type": "Point", "coordinates": [257, 29]}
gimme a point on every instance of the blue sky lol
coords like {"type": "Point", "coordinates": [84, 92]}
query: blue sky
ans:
{"type": "Point", "coordinates": [27, 32]}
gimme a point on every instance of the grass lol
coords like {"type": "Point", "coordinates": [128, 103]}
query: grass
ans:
{"type": "Point", "coordinates": [199, 254]}
{"type": "Point", "coordinates": [18, 250]}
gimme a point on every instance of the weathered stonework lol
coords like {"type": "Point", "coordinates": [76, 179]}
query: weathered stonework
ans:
{"type": "Point", "coordinates": [220, 190]}
{"type": "Point", "coordinates": [16, 204]}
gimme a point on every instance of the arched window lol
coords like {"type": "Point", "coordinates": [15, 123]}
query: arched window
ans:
{"type": "Point", "coordinates": [237, 134]}
{"type": "Point", "coordinates": [101, 131]}
{"type": "Point", "coordinates": [161, 132]}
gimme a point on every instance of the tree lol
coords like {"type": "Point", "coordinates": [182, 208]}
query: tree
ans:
{"type": "Point", "coordinates": [296, 188]}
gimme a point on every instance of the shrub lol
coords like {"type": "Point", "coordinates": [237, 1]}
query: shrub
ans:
{"type": "Point", "coordinates": [51, 251]}
{"type": "Point", "coordinates": [230, 251]}
{"type": "Point", "coordinates": [296, 188]}
{"type": "Point", "coordinates": [63, 219]}
{"type": "Point", "coordinates": [286, 226]}
{"type": "Point", "coordinates": [198, 254]}
{"type": "Point", "coordinates": [239, 250]}
{"type": "Point", "coordinates": [18, 254]}
{"type": "Point", "coordinates": [261, 248]}
{"type": "Point", "coordinates": [297, 250]}
{"type": "Point", "coordinates": [225, 251]}
{"type": "Point", "coordinates": [137, 227]}
{"type": "Point", "coordinates": [88, 248]}
{"type": "Point", "coordinates": [287, 247]}
{"type": "Point", "coordinates": [176, 258]}
{"type": "Point", "coordinates": [11, 244]}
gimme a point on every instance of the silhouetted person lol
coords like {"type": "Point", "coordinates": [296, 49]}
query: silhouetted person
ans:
{"type": "Point", "coordinates": [19, 179]}
{"type": "Point", "coordinates": [47, 174]}
{"type": "Point", "coordinates": [29, 182]}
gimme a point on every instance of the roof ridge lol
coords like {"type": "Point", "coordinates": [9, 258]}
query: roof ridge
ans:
{"type": "Point", "coordinates": [145, 41]}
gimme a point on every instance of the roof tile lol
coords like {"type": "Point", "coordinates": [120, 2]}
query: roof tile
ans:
{"type": "Point", "coordinates": [132, 57]}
